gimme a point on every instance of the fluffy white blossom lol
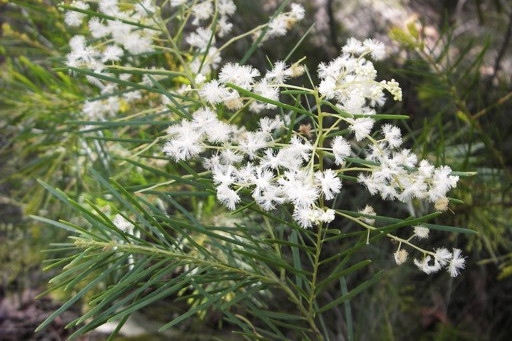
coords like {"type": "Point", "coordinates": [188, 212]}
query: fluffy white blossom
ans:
{"type": "Point", "coordinates": [202, 11]}
{"type": "Point", "coordinates": [368, 210]}
{"type": "Point", "coordinates": [421, 232]}
{"type": "Point", "coordinates": [200, 38]}
{"type": "Point", "coordinates": [241, 75]}
{"type": "Point", "coordinates": [329, 182]}
{"type": "Point", "coordinates": [456, 263]}
{"type": "Point", "coordinates": [392, 135]}
{"type": "Point", "coordinates": [442, 258]}
{"type": "Point", "coordinates": [277, 164]}
{"type": "Point", "coordinates": [400, 256]}
{"type": "Point", "coordinates": [283, 22]}
{"type": "Point", "coordinates": [75, 18]}
{"type": "Point", "coordinates": [427, 265]}
{"type": "Point", "coordinates": [341, 149]}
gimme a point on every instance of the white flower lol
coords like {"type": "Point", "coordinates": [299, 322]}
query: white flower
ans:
{"type": "Point", "coordinates": [97, 29]}
{"type": "Point", "coordinates": [109, 7]}
{"type": "Point", "coordinates": [200, 38]}
{"type": "Point", "coordinates": [230, 157]}
{"type": "Point", "coordinates": [226, 7]}
{"type": "Point", "coordinates": [269, 198]}
{"type": "Point", "coordinates": [223, 26]}
{"type": "Point", "coordinates": [241, 75]}
{"type": "Point", "coordinates": [353, 46]}
{"type": "Point", "coordinates": [392, 135]}
{"type": "Point", "coordinates": [278, 26]}
{"type": "Point", "coordinates": [340, 149]}
{"type": "Point", "coordinates": [268, 125]}
{"type": "Point", "coordinates": [300, 147]}
{"type": "Point", "coordinates": [297, 11]}
{"type": "Point", "coordinates": [136, 43]}
{"type": "Point", "coordinates": [442, 256]}
{"type": "Point", "coordinates": [400, 256]}
{"type": "Point", "coordinates": [328, 216]}
{"type": "Point", "coordinates": [227, 196]}
{"type": "Point", "coordinates": [327, 88]}
{"type": "Point", "coordinates": [213, 92]}
{"type": "Point", "coordinates": [262, 180]}
{"type": "Point", "coordinates": [330, 183]}
{"type": "Point", "coordinates": [75, 18]}
{"type": "Point", "coordinates": [427, 268]}
{"type": "Point", "coordinates": [132, 96]}
{"type": "Point", "coordinates": [186, 144]}
{"type": "Point", "coordinates": [279, 72]}
{"type": "Point", "coordinates": [199, 79]}
{"type": "Point", "coordinates": [376, 48]}
{"type": "Point", "coordinates": [361, 127]}
{"type": "Point", "coordinates": [421, 232]}
{"type": "Point", "coordinates": [442, 182]}
{"type": "Point", "coordinates": [304, 216]}
{"type": "Point", "coordinates": [270, 159]}
{"type": "Point", "coordinates": [368, 210]}
{"type": "Point", "coordinates": [224, 176]}
{"type": "Point", "coordinates": [202, 11]}
{"type": "Point", "coordinates": [218, 131]}
{"type": "Point", "coordinates": [299, 188]}
{"type": "Point", "coordinates": [425, 169]}
{"type": "Point", "coordinates": [251, 142]}
{"type": "Point", "coordinates": [112, 53]}
{"type": "Point", "coordinates": [456, 263]}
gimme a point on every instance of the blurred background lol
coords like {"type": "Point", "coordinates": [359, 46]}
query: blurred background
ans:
{"type": "Point", "coordinates": [453, 59]}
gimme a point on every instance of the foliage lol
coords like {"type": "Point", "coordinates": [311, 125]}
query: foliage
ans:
{"type": "Point", "coordinates": [146, 230]}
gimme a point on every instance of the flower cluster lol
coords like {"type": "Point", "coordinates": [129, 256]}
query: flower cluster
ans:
{"type": "Point", "coordinates": [277, 164]}
{"type": "Point", "coordinates": [350, 80]}
{"type": "Point", "coordinates": [129, 31]}
{"type": "Point", "coordinates": [275, 173]}
{"type": "Point", "coordinates": [216, 91]}
{"type": "Point", "coordinates": [442, 258]}
{"type": "Point", "coordinates": [398, 176]}
{"type": "Point", "coordinates": [277, 170]}
{"type": "Point", "coordinates": [211, 19]}
{"type": "Point", "coordinates": [283, 22]}
{"type": "Point", "coordinates": [432, 261]}
{"type": "Point", "coordinates": [118, 31]}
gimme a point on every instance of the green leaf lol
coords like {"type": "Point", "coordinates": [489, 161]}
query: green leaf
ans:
{"type": "Point", "coordinates": [337, 274]}
{"type": "Point", "coordinates": [357, 290]}
{"type": "Point", "coordinates": [268, 100]}
{"type": "Point", "coordinates": [77, 296]}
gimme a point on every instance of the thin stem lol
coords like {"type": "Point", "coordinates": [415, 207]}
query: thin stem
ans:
{"type": "Point", "coordinates": [389, 235]}
{"type": "Point", "coordinates": [234, 39]}
{"type": "Point", "coordinates": [321, 231]}
{"type": "Point", "coordinates": [83, 243]}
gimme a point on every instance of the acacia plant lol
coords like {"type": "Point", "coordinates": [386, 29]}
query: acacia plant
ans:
{"type": "Point", "coordinates": [273, 147]}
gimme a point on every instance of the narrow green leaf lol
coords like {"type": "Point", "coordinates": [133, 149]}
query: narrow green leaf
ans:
{"type": "Point", "coordinates": [337, 274]}
{"type": "Point", "coordinates": [76, 297]}
{"type": "Point", "coordinates": [268, 100]}
{"type": "Point", "coordinates": [357, 290]}
{"type": "Point", "coordinates": [348, 310]}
